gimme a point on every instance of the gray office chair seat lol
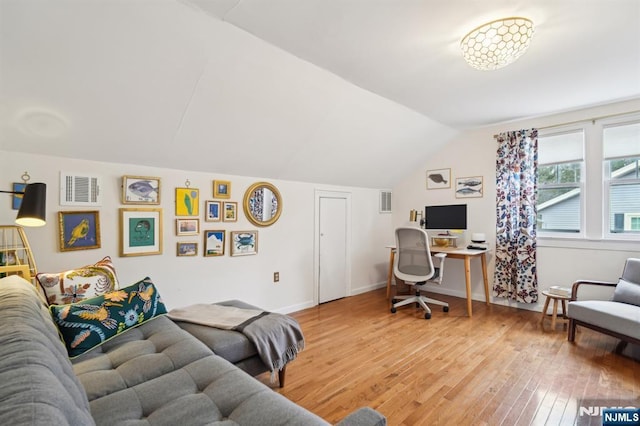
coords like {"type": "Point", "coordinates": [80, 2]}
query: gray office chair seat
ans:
{"type": "Point", "coordinates": [413, 263]}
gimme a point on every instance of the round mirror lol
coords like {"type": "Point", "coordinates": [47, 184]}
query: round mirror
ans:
{"type": "Point", "coordinates": [262, 204]}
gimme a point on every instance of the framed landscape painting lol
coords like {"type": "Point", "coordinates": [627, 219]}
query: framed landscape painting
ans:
{"type": "Point", "coordinates": [140, 232]}
{"type": "Point", "coordinates": [230, 211]}
{"type": "Point", "coordinates": [214, 242]}
{"type": "Point", "coordinates": [79, 230]}
{"type": "Point", "coordinates": [187, 249]}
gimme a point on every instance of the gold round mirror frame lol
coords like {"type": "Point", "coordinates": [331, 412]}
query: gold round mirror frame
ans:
{"type": "Point", "coordinates": [249, 196]}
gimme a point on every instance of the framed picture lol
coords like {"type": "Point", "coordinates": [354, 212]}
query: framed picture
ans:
{"type": "Point", "coordinates": [439, 179]}
{"type": "Point", "coordinates": [140, 232]}
{"type": "Point", "coordinates": [79, 230]}
{"type": "Point", "coordinates": [187, 249]}
{"type": "Point", "coordinates": [221, 189]}
{"type": "Point", "coordinates": [212, 211]}
{"type": "Point", "coordinates": [230, 211]}
{"type": "Point", "coordinates": [469, 187]}
{"type": "Point", "coordinates": [9, 258]}
{"type": "Point", "coordinates": [187, 226]}
{"type": "Point", "coordinates": [214, 242]}
{"type": "Point", "coordinates": [244, 243]}
{"type": "Point", "coordinates": [140, 190]}
{"type": "Point", "coordinates": [16, 199]}
{"type": "Point", "coordinates": [187, 202]}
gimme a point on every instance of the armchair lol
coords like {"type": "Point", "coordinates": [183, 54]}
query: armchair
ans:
{"type": "Point", "coordinates": [607, 307]}
{"type": "Point", "coordinates": [414, 264]}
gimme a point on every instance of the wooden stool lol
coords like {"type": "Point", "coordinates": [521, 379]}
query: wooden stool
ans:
{"type": "Point", "coordinates": [555, 298]}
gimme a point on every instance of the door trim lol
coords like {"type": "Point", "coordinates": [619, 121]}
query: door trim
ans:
{"type": "Point", "coordinates": [316, 243]}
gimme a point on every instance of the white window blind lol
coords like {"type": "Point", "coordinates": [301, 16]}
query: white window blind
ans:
{"type": "Point", "coordinates": [622, 141]}
{"type": "Point", "coordinates": [561, 147]}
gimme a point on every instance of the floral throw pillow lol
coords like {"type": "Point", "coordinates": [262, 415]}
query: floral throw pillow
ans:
{"type": "Point", "coordinates": [88, 324]}
{"type": "Point", "coordinates": [76, 285]}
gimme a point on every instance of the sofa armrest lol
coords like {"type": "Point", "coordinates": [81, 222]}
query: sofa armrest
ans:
{"type": "Point", "coordinates": [592, 290]}
{"type": "Point", "coordinates": [364, 416]}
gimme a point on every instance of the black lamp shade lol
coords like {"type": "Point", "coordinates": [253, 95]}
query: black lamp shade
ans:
{"type": "Point", "coordinates": [33, 209]}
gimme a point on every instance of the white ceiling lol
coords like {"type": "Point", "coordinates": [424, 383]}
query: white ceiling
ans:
{"type": "Point", "coordinates": [326, 91]}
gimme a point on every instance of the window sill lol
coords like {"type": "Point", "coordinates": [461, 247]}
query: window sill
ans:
{"type": "Point", "coordinates": [589, 243]}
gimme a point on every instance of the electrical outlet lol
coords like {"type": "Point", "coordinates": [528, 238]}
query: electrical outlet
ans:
{"type": "Point", "coordinates": [276, 277]}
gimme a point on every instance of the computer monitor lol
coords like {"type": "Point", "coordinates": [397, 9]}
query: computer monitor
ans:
{"type": "Point", "coordinates": [452, 216]}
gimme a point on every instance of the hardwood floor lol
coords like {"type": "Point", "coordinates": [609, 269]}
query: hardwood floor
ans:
{"type": "Point", "coordinates": [499, 367]}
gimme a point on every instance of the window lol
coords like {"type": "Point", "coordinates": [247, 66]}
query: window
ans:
{"type": "Point", "coordinates": [560, 170]}
{"type": "Point", "coordinates": [621, 148]}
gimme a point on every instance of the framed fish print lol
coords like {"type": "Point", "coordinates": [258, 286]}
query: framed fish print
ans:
{"type": "Point", "coordinates": [439, 179]}
{"type": "Point", "coordinates": [469, 187]}
{"type": "Point", "coordinates": [221, 189]}
{"type": "Point", "coordinates": [187, 202]}
{"type": "Point", "coordinates": [244, 243]}
{"type": "Point", "coordinates": [214, 242]}
{"type": "Point", "coordinates": [79, 230]}
{"type": "Point", "coordinates": [140, 231]}
{"type": "Point", "coordinates": [140, 190]}
{"type": "Point", "coordinates": [187, 249]}
{"type": "Point", "coordinates": [230, 211]}
{"type": "Point", "coordinates": [212, 211]}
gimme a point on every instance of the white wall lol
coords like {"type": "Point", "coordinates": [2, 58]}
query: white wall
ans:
{"type": "Point", "coordinates": [560, 262]}
{"type": "Point", "coordinates": [286, 247]}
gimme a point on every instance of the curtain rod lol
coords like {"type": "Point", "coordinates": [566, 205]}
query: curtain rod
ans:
{"type": "Point", "coordinates": [593, 120]}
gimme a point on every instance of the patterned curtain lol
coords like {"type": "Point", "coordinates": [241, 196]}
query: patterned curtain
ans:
{"type": "Point", "coordinates": [516, 183]}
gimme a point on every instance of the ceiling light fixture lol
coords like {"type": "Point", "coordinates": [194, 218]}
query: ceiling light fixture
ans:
{"type": "Point", "coordinates": [498, 43]}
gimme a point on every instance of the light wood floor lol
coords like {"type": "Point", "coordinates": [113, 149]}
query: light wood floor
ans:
{"type": "Point", "coordinates": [497, 368]}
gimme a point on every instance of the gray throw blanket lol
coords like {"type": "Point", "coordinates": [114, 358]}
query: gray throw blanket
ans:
{"type": "Point", "coordinates": [277, 338]}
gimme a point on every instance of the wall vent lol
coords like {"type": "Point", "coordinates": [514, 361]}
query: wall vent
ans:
{"type": "Point", "coordinates": [385, 201]}
{"type": "Point", "coordinates": [77, 189]}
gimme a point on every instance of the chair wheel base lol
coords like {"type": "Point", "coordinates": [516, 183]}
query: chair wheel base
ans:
{"type": "Point", "coordinates": [393, 310]}
{"type": "Point", "coordinates": [427, 315]}
{"type": "Point", "coordinates": [445, 309]}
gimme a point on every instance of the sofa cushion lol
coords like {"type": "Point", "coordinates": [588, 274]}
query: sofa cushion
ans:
{"type": "Point", "coordinates": [39, 386]}
{"type": "Point", "coordinates": [160, 374]}
{"type": "Point", "coordinates": [627, 292]}
{"type": "Point", "coordinates": [78, 284]}
{"type": "Point", "coordinates": [85, 325]}
{"type": "Point", "coordinates": [621, 318]}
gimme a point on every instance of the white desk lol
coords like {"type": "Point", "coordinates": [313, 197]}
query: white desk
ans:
{"type": "Point", "coordinates": [453, 253]}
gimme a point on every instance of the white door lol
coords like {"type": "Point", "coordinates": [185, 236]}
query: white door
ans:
{"type": "Point", "coordinates": [333, 248]}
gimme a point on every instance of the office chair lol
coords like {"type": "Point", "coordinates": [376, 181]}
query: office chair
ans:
{"type": "Point", "coordinates": [413, 264]}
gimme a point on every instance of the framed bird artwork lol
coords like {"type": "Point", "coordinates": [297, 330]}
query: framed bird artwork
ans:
{"type": "Point", "coordinates": [79, 230]}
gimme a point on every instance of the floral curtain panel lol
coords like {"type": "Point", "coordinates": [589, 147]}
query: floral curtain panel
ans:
{"type": "Point", "coordinates": [516, 183]}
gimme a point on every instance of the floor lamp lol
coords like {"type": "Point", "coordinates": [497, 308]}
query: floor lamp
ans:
{"type": "Point", "coordinates": [15, 253]}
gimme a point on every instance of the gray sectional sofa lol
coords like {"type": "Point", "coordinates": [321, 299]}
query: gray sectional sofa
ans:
{"type": "Point", "coordinates": [608, 307]}
{"type": "Point", "coordinates": [153, 374]}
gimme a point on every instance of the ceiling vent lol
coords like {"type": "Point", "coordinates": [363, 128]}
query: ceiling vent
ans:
{"type": "Point", "coordinates": [385, 201]}
{"type": "Point", "coordinates": [77, 189]}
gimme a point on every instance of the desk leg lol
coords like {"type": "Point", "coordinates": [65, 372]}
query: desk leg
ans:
{"type": "Point", "coordinates": [467, 277]}
{"type": "Point", "coordinates": [390, 274]}
{"type": "Point", "coordinates": [483, 259]}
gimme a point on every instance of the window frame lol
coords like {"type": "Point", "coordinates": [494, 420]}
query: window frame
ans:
{"type": "Point", "coordinates": [608, 183]}
{"type": "Point", "coordinates": [556, 131]}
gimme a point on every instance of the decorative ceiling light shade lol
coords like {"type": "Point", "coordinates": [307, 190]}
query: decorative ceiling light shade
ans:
{"type": "Point", "coordinates": [498, 43]}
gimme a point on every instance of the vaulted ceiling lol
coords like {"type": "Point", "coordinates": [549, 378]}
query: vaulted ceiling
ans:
{"type": "Point", "coordinates": [326, 91]}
